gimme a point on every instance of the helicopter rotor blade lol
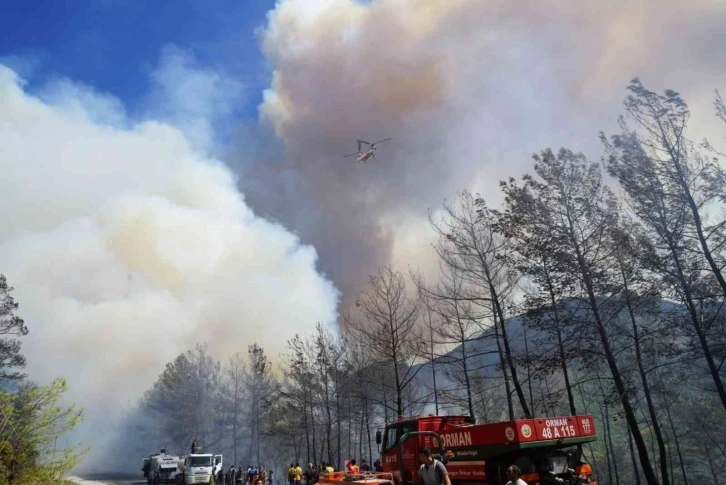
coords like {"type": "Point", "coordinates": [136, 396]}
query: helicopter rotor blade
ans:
{"type": "Point", "coordinates": [376, 143]}
{"type": "Point", "coordinates": [351, 155]}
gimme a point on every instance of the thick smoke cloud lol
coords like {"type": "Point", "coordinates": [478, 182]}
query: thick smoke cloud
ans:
{"type": "Point", "coordinates": [467, 89]}
{"type": "Point", "coordinates": [126, 247]}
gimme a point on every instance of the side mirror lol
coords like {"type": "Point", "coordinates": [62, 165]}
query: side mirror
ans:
{"type": "Point", "coordinates": [379, 438]}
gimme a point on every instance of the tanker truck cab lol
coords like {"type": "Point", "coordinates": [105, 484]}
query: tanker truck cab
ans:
{"type": "Point", "coordinates": [389, 441]}
{"type": "Point", "coordinates": [198, 468]}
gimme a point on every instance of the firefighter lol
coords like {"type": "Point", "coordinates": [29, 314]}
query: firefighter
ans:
{"type": "Point", "coordinates": [352, 467]}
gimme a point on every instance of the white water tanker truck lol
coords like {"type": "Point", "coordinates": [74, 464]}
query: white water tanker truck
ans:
{"type": "Point", "coordinates": [160, 468]}
{"type": "Point", "coordinates": [198, 468]}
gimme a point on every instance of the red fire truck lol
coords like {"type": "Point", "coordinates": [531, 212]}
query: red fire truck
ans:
{"type": "Point", "coordinates": [546, 450]}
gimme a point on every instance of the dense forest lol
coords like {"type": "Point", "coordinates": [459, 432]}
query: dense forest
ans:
{"type": "Point", "coordinates": [595, 288]}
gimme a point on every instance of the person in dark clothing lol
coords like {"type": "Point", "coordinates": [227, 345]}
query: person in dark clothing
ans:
{"type": "Point", "coordinates": [309, 474]}
{"type": "Point", "coordinates": [365, 466]}
{"type": "Point", "coordinates": [194, 446]}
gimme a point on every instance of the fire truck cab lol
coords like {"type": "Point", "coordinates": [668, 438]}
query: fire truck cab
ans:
{"type": "Point", "coordinates": [546, 450]}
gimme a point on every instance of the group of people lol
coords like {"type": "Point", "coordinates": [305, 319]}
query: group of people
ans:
{"type": "Point", "coordinates": [252, 476]}
{"type": "Point", "coordinates": [311, 475]}
{"type": "Point", "coordinates": [433, 472]}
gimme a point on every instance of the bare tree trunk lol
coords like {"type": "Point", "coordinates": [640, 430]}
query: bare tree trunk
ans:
{"type": "Point", "coordinates": [673, 429]}
{"type": "Point", "coordinates": [565, 373]}
{"type": "Point", "coordinates": [385, 401]}
{"type": "Point", "coordinates": [693, 313]}
{"type": "Point", "coordinates": [350, 426]}
{"type": "Point", "coordinates": [529, 373]}
{"type": "Point", "coordinates": [338, 417]}
{"type": "Point", "coordinates": [561, 347]}
{"type": "Point", "coordinates": [644, 379]}
{"type": "Point", "coordinates": [329, 423]}
{"type": "Point", "coordinates": [368, 431]}
{"type": "Point", "coordinates": [294, 445]}
{"type": "Point", "coordinates": [312, 429]}
{"type": "Point", "coordinates": [609, 439]}
{"type": "Point", "coordinates": [549, 397]}
{"type": "Point", "coordinates": [322, 451]}
{"type": "Point", "coordinates": [510, 405]}
{"type": "Point", "coordinates": [469, 400]}
{"type": "Point", "coordinates": [360, 437]}
{"type": "Point", "coordinates": [608, 456]}
{"type": "Point", "coordinates": [234, 433]}
{"type": "Point", "coordinates": [636, 475]}
{"type": "Point", "coordinates": [508, 352]}
{"type": "Point", "coordinates": [584, 406]}
{"type": "Point", "coordinates": [650, 476]}
{"type": "Point", "coordinates": [433, 363]}
{"type": "Point", "coordinates": [610, 445]}
{"type": "Point", "coordinates": [307, 429]}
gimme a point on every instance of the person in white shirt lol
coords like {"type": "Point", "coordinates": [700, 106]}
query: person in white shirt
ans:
{"type": "Point", "coordinates": [513, 473]}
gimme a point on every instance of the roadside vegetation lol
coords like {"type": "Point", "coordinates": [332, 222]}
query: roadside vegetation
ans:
{"type": "Point", "coordinates": [33, 422]}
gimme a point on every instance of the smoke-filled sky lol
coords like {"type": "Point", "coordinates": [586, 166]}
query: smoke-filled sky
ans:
{"type": "Point", "coordinates": [176, 175]}
{"type": "Point", "coordinates": [468, 90]}
{"type": "Point", "coordinates": [126, 246]}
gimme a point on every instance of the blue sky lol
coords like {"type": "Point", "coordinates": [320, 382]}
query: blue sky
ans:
{"type": "Point", "coordinates": [113, 45]}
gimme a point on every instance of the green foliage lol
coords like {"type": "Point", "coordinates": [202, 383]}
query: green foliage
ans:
{"type": "Point", "coordinates": [31, 421]}
{"type": "Point", "coordinates": [10, 324]}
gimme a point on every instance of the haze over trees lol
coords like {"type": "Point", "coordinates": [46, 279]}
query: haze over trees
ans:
{"type": "Point", "coordinates": [574, 297]}
{"type": "Point", "coordinates": [31, 416]}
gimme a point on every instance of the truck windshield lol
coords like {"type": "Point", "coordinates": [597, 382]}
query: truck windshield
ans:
{"type": "Point", "coordinates": [201, 460]}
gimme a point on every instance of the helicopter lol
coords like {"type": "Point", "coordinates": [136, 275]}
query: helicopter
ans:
{"type": "Point", "coordinates": [370, 152]}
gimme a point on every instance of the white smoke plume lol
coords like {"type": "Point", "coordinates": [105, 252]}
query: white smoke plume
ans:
{"type": "Point", "coordinates": [126, 247]}
{"type": "Point", "coordinates": [467, 89]}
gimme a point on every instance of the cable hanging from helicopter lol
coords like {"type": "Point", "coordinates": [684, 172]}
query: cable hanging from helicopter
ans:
{"type": "Point", "coordinates": [364, 156]}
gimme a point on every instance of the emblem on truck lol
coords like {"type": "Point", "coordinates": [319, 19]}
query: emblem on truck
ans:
{"type": "Point", "coordinates": [526, 431]}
